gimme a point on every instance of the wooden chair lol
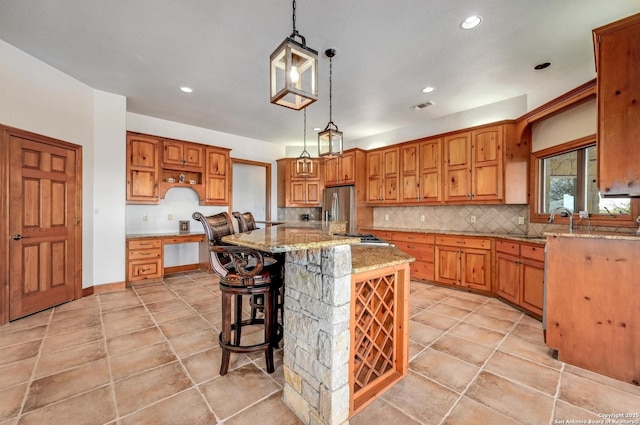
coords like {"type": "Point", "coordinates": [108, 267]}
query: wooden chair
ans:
{"type": "Point", "coordinates": [246, 222]}
{"type": "Point", "coordinates": [242, 273]}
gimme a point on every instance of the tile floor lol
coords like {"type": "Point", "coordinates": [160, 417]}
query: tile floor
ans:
{"type": "Point", "coordinates": [149, 355]}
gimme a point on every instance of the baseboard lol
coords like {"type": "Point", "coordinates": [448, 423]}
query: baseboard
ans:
{"type": "Point", "coordinates": [102, 289]}
{"type": "Point", "coordinates": [183, 268]}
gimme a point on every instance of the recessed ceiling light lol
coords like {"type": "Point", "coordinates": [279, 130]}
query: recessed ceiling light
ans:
{"type": "Point", "coordinates": [471, 22]}
{"type": "Point", "coordinates": [316, 129]}
{"type": "Point", "coordinates": [542, 66]}
{"type": "Point", "coordinates": [186, 89]}
{"type": "Point", "coordinates": [427, 89]}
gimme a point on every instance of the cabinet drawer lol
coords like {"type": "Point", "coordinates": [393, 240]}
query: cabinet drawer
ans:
{"type": "Point", "coordinates": [463, 242]}
{"type": "Point", "coordinates": [534, 252]}
{"type": "Point", "coordinates": [144, 243]}
{"type": "Point", "coordinates": [184, 239]}
{"type": "Point", "coordinates": [382, 234]}
{"type": "Point", "coordinates": [508, 247]}
{"type": "Point", "coordinates": [414, 237]}
{"type": "Point", "coordinates": [140, 254]}
{"type": "Point", "coordinates": [421, 252]}
{"type": "Point", "coordinates": [145, 270]}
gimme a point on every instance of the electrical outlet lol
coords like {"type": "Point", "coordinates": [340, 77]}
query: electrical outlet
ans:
{"type": "Point", "coordinates": [386, 217]}
{"type": "Point", "coordinates": [145, 217]}
{"type": "Point", "coordinates": [473, 218]}
{"type": "Point", "coordinates": [520, 220]}
{"type": "Point", "coordinates": [421, 218]}
{"type": "Point", "coordinates": [170, 217]}
{"type": "Point", "coordinates": [583, 214]}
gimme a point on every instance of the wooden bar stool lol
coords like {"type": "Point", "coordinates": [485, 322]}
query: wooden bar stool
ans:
{"type": "Point", "coordinates": [243, 273]}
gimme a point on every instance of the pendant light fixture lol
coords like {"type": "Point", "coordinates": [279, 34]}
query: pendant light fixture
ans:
{"type": "Point", "coordinates": [294, 72]}
{"type": "Point", "coordinates": [330, 139]}
{"type": "Point", "coordinates": [304, 164]}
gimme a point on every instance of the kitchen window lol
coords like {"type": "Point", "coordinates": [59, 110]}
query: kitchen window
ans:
{"type": "Point", "coordinates": [566, 176]}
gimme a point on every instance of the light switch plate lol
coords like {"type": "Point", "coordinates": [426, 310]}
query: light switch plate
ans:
{"type": "Point", "coordinates": [520, 220]}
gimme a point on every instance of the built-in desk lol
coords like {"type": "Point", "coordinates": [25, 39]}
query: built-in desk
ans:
{"type": "Point", "coordinates": [145, 254]}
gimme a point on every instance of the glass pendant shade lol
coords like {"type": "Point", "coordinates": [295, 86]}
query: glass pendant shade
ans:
{"type": "Point", "coordinates": [330, 142]}
{"type": "Point", "coordinates": [304, 167]}
{"type": "Point", "coordinates": [294, 75]}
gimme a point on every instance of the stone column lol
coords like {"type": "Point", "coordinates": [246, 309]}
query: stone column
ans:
{"type": "Point", "coordinates": [316, 334]}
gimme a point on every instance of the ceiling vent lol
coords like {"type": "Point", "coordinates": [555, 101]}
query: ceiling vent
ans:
{"type": "Point", "coordinates": [422, 105]}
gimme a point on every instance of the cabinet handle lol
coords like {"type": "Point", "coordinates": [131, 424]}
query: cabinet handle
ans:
{"type": "Point", "coordinates": [145, 253]}
{"type": "Point", "coordinates": [460, 242]}
{"type": "Point", "coordinates": [411, 246]}
{"type": "Point", "coordinates": [144, 243]}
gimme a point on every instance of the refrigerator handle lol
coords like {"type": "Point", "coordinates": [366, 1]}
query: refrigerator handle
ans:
{"type": "Point", "coordinates": [335, 207]}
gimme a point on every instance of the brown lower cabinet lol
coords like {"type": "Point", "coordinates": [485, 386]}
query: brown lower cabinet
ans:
{"type": "Point", "coordinates": [463, 261]}
{"type": "Point", "coordinates": [520, 274]}
{"type": "Point", "coordinates": [518, 269]}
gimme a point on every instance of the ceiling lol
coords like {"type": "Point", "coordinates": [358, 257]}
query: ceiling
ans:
{"type": "Point", "coordinates": [387, 52]}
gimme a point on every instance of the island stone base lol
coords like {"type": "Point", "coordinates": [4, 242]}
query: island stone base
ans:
{"type": "Point", "coordinates": [316, 334]}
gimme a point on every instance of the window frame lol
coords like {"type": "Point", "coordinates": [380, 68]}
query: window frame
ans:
{"type": "Point", "coordinates": [596, 219]}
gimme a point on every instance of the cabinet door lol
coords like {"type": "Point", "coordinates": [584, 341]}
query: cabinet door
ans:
{"type": "Point", "coordinates": [508, 277]}
{"type": "Point", "coordinates": [617, 48]}
{"type": "Point", "coordinates": [193, 156]}
{"type": "Point", "coordinates": [374, 176]}
{"type": "Point", "coordinates": [313, 190]}
{"type": "Point", "coordinates": [486, 169]}
{"type": "Point", "coordinates": [143, 169]}
{"type": "Point", "coordinates": [347, 169]}
{"type": "Point", "coordinates": [332, 170]}
{"type": "Point", "coordinates": [457, 172]}
{"type": "Point", "coordinates": [447, 265]}
{"type": "Point", "coordinates": [172, 153]}
{"type": "Point", "coordinates": [391, 174]}
{"type": "Point", "coordinates": [216, 177]}
{"type": "Point", "coordinates": [476, 269]}
{"type": "Point", "coordinates": [409, 178]}
{"type": "Point", "coordinates": [532, 285]}
{"type": "Point", "coordinates": [430, 171]}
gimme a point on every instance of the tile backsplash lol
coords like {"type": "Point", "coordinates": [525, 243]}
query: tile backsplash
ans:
{"type": "Point", "coordinates": [294, 214]}
{"type": "Point", "coordinates": [463, 218]}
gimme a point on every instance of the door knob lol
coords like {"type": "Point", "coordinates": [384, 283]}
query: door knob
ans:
{"type": "Point", "coordinates": [17, 237]}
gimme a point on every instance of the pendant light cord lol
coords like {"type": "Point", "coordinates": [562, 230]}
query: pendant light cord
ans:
{"type": "Point", "coordinates": [304, 151]}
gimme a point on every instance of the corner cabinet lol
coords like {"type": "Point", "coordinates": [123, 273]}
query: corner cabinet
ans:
{"type": "Point", "coordinates": [617, 53]}
{"type": "Point", "coordinates": [382, 175]}
{"type": "Point", "coordinates": [143, 169]}
{"type": "Point", "coordinates": [299, 191]}
{"type": "Point", "coordinates": [520, 274]}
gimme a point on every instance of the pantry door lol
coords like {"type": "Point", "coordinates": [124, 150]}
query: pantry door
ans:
{"type": "Point", "coordinates": [44, 216]}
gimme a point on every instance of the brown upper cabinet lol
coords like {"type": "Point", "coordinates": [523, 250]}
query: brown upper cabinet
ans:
{"type": "Point", "coordinates": [184, 155]}
{"type": "Point", "coordinates": [299, 191]}
{"type": "Point", "coordinates": [216, 184]}
{"type": "Point", "coordinates": [155, 165]}
{"type": "Point", "coordinates": [382, 175]}
{"type": "Point", "coordinates": [421, 172]}
{"type": "Point", "coordinates": [617, 53]}
{"type": "Point", "coordinates": [474, 165]}
{"type": "Point", "coordinates": [340, 170]}
{"type": "Point", "coordinates": [143, 169]}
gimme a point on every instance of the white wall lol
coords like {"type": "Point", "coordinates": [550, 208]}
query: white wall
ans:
{"type": "Point", "coordinates": [572, 124]}
{"type": "Point", "coordinates": [40, 99]}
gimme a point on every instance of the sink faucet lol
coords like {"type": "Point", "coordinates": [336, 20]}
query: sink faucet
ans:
{"type": "Point", "coordinates": [562, 210]}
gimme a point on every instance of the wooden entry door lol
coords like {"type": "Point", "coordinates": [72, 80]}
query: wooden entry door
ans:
{"type": "Point", "coordinates": [44, 236]}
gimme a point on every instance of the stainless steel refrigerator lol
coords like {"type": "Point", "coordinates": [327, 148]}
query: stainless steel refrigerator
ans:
{"type": "Point", "coordinates": [339, 204]}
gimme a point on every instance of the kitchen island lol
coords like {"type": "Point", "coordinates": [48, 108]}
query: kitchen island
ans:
{"type": "Point", "coordinates": [346, 318]}
{"type": "Point", "coordinates": [593, 302]}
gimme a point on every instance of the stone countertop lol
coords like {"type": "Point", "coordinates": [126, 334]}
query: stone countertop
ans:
{"type": "Point", "coordinates": [290, 237]}
{"type": "Point", "coordinates": [515, 237]}
{"type": "Point", "coordinates": [365, 258]}
{"type": "Point", "coordinates": [596, 235]}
